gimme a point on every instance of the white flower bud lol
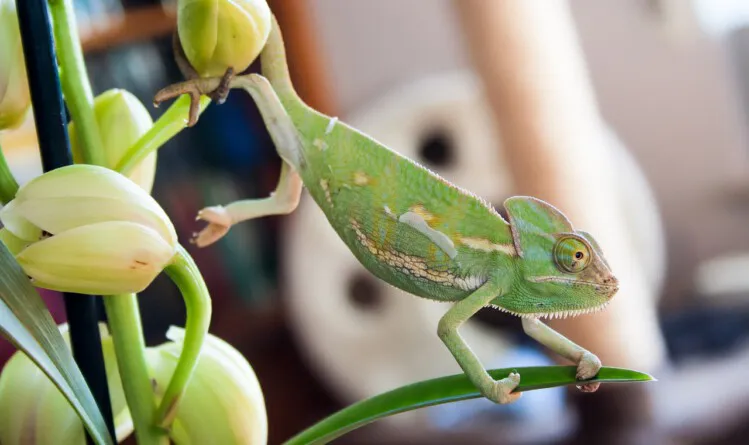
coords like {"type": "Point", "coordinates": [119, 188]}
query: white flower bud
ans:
{"type": "Point", "coordinates": [218, 34]}
{"type": "Point", "coordinates": [90, 230]}
{"type": "Point", "coordinates": [122, 120]}
{"type": "Point", "coordinates": [15, 100]}
{"type": "Point", "coordinates": [34, 412]}
{"type": "Point", "coordinates": [223, 402]}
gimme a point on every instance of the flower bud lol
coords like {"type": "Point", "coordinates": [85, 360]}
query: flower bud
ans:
{"type": "Point", "coordinates": [122, 120]}
{"type": "Point", "coordinates": [12, 242]}
{"type": "Point", "coordinates": [97, 231]}
{"type": "Point", "coordinates": [14, 88]}
{"type": "Point", "coordinates": [218, 34]}
{"type": "Point", "coordinates": [33, 411]}
{"type": "Point", "coordinates": [223, 402]}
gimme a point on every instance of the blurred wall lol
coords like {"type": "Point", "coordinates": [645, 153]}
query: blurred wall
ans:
{"type": "Point", "coordinates": [671, 98]}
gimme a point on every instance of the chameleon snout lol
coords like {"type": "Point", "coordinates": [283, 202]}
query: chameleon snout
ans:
{"type": "Point", "coordinates": [611, 282]}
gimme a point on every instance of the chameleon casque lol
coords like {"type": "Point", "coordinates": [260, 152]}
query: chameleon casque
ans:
{"type": "Point", "coordinates": [415, 230]}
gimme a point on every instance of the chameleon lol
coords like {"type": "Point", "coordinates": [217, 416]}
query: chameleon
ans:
{"type": "Point", "coordinates": [414, 229]}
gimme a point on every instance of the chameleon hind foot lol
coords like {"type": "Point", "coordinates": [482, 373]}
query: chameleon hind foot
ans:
{"type": "Point", "coordinates": [194, 88]}
{"type": "Point", "coordinates": [220, 218]}
{"type": "Point", "coordinates": [217, 94]}
{"type": "Point", "coordinates": [220, 94]}
{"type": "Point", "coordinates": [217, 88]}
{"type": "Point", "coordinates": [219, 222]}
{"type": "Point", "coordinates": [501, 390]}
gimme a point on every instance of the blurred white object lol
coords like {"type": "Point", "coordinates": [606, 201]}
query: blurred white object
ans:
{"type": "Point", "coordinates": [716, 18]}
{"type": "Point", "coordinates": [724, 278]}
{"type": "Point", "coordinates": [389, 339]}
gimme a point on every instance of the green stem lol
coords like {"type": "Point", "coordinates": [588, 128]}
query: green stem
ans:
{"type": "Point", "coordinates": [75, 84]}
{"type": "Point", "coordinates": [188, 279]}
{"type": "Point", "coordinates": [123, 317]}
{"type": "Point", "coordinates": [167, 126]}
{"type": "Point", "coordinates": [8, 184]}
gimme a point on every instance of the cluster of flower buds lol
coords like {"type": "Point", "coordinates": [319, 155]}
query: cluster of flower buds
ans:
{"type": "Point", "coordinates": [88, 229]}
{"type": "Point", "coordinates": [222, 404]}
{"type": "Point", "coordinates": [33, 411]}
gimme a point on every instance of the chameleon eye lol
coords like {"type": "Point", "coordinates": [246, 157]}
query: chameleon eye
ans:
{"type": "Point", "coordinates": [571, 254]}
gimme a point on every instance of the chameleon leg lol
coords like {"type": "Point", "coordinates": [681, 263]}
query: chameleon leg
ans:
{"type": "Point", "coordinates": [220, 218]}
{"type": "Point", "coordinates": [285, 138]}
{"type": "Point", "coordinates": [499, 391]}
{"type": "Point", "coordinates": [588, 364]}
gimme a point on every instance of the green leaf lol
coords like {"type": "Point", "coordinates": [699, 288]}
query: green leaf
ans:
{"type": "Point", "coordinates": [445, 390]}
{"type": "Point", "coordinates": [27, 323]}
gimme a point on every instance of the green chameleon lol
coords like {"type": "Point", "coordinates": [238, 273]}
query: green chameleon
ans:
{"type": "Point", "coordinates": [415, 230]}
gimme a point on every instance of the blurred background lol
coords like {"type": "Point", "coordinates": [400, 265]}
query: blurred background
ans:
{"type": "Point", "coordinates": [645, 101]}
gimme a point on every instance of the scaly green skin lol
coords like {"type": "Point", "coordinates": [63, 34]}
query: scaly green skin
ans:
{"type": "Point", "coordinates": [418, 232]}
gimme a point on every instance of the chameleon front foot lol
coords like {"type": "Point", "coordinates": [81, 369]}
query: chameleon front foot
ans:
{"type": "Point", "coordinates": [219, 222]}
{"type": "Point", "coordinates": [501, 390]}
{"type": "Point", "coordinates": [587, 368]}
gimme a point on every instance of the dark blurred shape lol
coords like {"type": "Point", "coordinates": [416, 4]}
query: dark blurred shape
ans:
{"type": "Point", "coordinates": [437, 148]}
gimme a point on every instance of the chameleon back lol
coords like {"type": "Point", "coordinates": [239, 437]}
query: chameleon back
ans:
{"type": "Point", "coordinates": [405, 224]}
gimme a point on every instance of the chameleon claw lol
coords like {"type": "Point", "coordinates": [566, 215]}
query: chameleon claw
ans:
{"type": "Point", "coordinates": [220, 94]}
{"type": "Point", "coordinates": [209, 235]}
{"type": "Point", "coordinates": [501, 391]}
{"type": "Point", "coordinates": [587, 369]}
{"type": "Point", "coordinates": [217, 88]}
{"type": "Point", "coordinates": [219, 224]}
{"type": "Point", "coordinates": [191, 87]}
{"type": "Point", "coordinates": [588, 366]}
{"type": "Point", "coordinates": [588, 387]}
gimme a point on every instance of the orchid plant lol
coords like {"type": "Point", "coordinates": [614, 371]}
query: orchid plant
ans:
{"type": "Point", "coordinates": [93, 228]}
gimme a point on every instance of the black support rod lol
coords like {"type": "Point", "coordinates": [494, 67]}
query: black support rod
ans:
{"type": "Point", "coordinates": [49, 116]}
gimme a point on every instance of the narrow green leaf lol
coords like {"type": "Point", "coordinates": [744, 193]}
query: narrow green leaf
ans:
{"type": "Point", "coordinates": [445, 390]}
{"type": "Point", "coordinates": [27, 323]}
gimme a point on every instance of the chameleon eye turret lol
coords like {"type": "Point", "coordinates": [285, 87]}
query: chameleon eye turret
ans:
{"type": "Point", "coordinates": [571, 254]}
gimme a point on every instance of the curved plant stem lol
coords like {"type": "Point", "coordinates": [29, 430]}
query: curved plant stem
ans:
{"type": "Point", "coordinates": [75, 84]}
{"type": "Point", "coordinates": [124, 324]}
{"type": "Point", "coordinates": [188, 279]}
{"type": "Point", "coordinates": [445, 390]}
{"type": "Point", "coordinates": [8, 184]}
{"type": "Point", "coordinates": [166, 127]}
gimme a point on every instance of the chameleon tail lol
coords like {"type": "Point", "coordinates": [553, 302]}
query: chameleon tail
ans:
{"type": "Point", "coordinates": [275, 67]}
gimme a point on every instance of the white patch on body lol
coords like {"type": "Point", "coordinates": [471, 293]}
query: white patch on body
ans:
{"type": "Point", "coordinates": [487, 246]}
{"type": "Point", "coordinates": [440, 239]}
{"type": "Point", "coordinates": [469, 283]}
{"type": "Point", "coordinates": [331, 125]}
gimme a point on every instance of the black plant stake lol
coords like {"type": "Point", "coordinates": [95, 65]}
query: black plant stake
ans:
{"type": "Point", "coordinates": [49, 114]}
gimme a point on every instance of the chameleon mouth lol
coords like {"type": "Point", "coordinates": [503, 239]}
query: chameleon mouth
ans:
{"type": "Point", "coordinates": [556, 315]}
{"type": "Point", "coordinates": [610, 288]}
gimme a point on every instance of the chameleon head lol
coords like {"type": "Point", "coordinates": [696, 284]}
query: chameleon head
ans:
{"type": "Point", "coordinates": [561, 271]}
